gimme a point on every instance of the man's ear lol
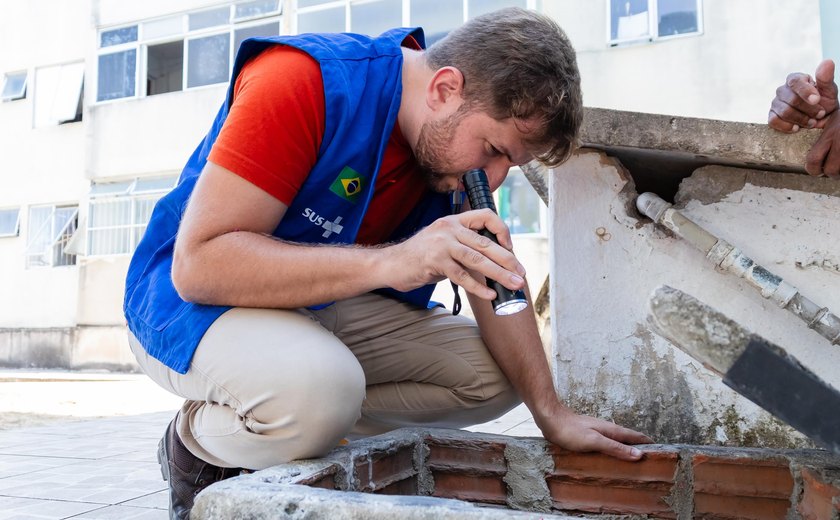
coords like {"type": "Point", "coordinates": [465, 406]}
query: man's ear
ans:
{"type": "Point", "coordinates": [445, 89]}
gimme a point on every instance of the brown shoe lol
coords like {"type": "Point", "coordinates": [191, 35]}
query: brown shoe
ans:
{"type": "Point", "coordinates": [186, 474]}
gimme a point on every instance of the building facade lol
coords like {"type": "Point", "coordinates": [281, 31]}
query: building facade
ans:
{"type": "Point", "coordinates": [103, 101]}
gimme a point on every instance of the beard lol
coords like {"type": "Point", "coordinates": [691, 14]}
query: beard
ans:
{"type": "Point", "coordinates": [432, 152]}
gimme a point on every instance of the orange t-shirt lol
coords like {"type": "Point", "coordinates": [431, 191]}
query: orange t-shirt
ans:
{"type": "Point", "coordinates": [273, 132]}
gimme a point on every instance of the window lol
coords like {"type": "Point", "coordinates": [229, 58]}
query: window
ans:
{"type": "Point", "coordinates": [209, 61]}
{"type": "Point", "coordinates": [116, 75]}
{"type": "Point", "coordinates": [9, 222]}
{"type": "Point", "coordinates": [635, 20]}
{"type": "Point", "coordinates": [119, 213]}
{"type": "Point", "coordinates": [179, 52]}
{"type": "Point", "coordinates": [50, 230]}
{"type": "Point", "coordinates": [14, 86]}
{"type": "Point", "coordinates": [373, 17]}
{"type": "Point", "coordinates": [58, 94]}
{"type": "Point", "coordinates": [164, 67]}
{"type": "Point", "coordinates": [436, 17]}
{"type": "Point", "coordinates": [520, 206]}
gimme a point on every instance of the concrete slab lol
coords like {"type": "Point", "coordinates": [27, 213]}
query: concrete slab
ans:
{"type": "Point", "coordinates": [99, 468]}
{"type": "Point", "coordinates": [661, 150]}
{"type": "Point", "coordinates": [16, 507]}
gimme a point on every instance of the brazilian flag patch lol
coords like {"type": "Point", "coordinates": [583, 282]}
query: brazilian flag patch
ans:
{"type": "Point", "coordinates": [348, 184]}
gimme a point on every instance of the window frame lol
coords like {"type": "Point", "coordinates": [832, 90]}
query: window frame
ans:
{"type": "Point", "coordinates": [141, 44]}
{"type": "Point", "coordinates": [543, 208]}
{"type": "Point", "coordinates": [16, 230]}
{"type": "Point", "coordinates": [79, 97]}
{"type": "Point", "coordinates": [405, 14]}
{"type": "Point", "coordinates": [132, 193]}
{"type": "Point", "coordinates": [653, 26]}
{"type": "Point", "coordinates": [59, 235]}
{"type": "Point", "coordinates": [21, 93]}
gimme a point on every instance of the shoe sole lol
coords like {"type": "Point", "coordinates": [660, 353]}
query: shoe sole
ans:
{"type": "Point", "coordinates": [163, 460]}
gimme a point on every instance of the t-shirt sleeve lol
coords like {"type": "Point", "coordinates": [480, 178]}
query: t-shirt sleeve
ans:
{"type": "Point", "coordinates": [273, 130]}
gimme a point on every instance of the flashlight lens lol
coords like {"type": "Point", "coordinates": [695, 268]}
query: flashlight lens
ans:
{"type": "Point", "coordinates": [510, 307]}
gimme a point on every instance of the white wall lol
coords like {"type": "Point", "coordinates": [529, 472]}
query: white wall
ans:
{"type": "Point", "coordinates": [607, 361]}
{"type": "Point", "coordinates": [729, 72]}
{"type": "Point", "coordinates": [39, 166]}
{"type": "Point", "coordinates": [150, 135]}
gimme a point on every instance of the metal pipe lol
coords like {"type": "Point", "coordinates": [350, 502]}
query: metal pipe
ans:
{"type": "Point", "coordinates": [729, 258]}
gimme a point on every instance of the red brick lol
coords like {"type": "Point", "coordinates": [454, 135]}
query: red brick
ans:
{"type": "Point", "coordinates": [401, 487]}
{"type": "Point", "coordinates": [820, 499]}
{"type": "Point", "coordinates": [718, 507]}
{"type": "Point", "coordinates": [473, 488]}
{"type": "Point", "coordinates": [600, 496]}
{"type": "Point", "coordinates": [383, 468]}
{"type": "Point", "coordinates": [321, 479]}
{"type": "Point", "coordinates": [742, 476]}
{"type": "Point", "coordinates": [471, 457]}
{"type": "Point", "coordinates": [654, 467]}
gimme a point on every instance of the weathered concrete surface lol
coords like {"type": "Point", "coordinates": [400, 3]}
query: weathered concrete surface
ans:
{"type": "Point", "coordinates": [280, 493]}
{"type": "Point", "coordinates": [661, 150]}
{"type": "Point", "coordinates": [669, 482]}
{"type": "Point", "coordinates": [713, 183]}
{"type": "Point", "coordinates": [608, 259]}
{"type": "Point", "coordinates": [76, 348]}
{"type": "Point", "coordinates": [250, 497]}
{"type": "Point", "coordinates": [528, 464]}
{"type": "Point", "coordinates": [746, 144]}
{"type": "Point", "coordinates": [711, 338]}
{"type": "Point", "coordinates": [750, 365]}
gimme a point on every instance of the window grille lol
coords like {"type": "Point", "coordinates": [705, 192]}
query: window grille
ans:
{"type": "Point", "coordinates": [119, 213]}
{"type": "Point", "coordinates": [50, 230]}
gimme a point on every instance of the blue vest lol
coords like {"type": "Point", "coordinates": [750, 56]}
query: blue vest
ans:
{"type": "Point", "coordinates": [362, 90]}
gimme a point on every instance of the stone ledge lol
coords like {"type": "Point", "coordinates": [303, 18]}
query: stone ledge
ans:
{"type": "Point", "coordinates": [749, 144]}
{"type": "Point", "coordinates": [661, 150]}
{"type": "Point", "coordinates": [437, 473]}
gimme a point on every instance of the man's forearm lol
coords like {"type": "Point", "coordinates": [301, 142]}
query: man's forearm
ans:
{"type": "Point", "coordinates": [247, 269]}
{"type": "Point", "coordinates": [515, 344]}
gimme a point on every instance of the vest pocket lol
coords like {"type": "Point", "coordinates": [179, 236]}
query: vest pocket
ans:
{"type": "Point", "coordinates": [154, 300]}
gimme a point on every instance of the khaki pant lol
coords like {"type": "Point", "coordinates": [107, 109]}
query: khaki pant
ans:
{"type": "Point", "coordinates": [267, 386]}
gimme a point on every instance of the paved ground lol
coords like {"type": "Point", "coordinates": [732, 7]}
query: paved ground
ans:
{"type": "Point", "coordinates": [95, 456]}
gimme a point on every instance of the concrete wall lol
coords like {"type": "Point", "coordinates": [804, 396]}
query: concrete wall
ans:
{"type": "Point", "coordinates": [730, 71]}
{"type": "Point", "coordinates": [129, 137]}
{"type": "Point", "coordinates": [607, 260]}
{"type": "Point", "coordinates": [150, 135]}
{"type": "Point", "coordinates": [40, 165]}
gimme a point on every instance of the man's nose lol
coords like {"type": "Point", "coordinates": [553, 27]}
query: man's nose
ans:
{"type": "Point", "coordinates": [496, 171]}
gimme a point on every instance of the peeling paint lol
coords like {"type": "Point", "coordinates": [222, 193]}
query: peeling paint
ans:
{"type": "Point", "coordinates": [767, 432]}
{"type": "Point", "coordinates": [819, 260]}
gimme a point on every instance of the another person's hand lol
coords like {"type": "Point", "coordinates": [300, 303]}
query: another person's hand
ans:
{"type": "Point", "coordinates": [804, 102]}
{"type": "Point", "coordinates": [583, 433]}
{"type": "Point", "coordinates": [824, 156]}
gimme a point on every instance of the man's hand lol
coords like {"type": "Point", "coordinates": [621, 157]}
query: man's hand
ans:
{"type": "Point", "coordinates": [804, 102]}
{"type": "Point", "coordinates": [449, 248]}
{"type": "Point", "coordinates": [583, 433]}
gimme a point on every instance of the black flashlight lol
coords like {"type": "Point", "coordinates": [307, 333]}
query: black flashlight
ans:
{"type": "Point", "coordinates": [478, 190]}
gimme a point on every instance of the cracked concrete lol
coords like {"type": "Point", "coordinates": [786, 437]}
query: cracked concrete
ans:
{"type": "Point", "coordinates": [604, 361]}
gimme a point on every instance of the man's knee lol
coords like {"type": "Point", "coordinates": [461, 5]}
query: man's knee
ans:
{"type": "Point", "coordinates": [313, 417]}
{"type": "Point", "coordinates": [491, 394]}
{"type": "Point", "coordinates": [500, 399]}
